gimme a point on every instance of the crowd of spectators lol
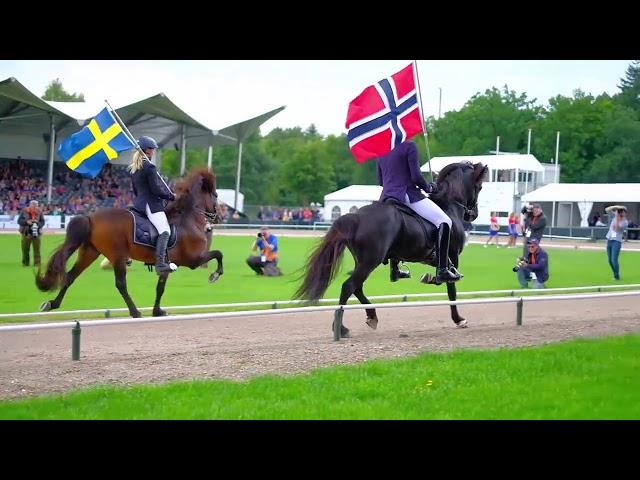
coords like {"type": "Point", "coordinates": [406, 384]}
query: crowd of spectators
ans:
{"type": "Point", "coordinates": [24, 180]}
{"type": "Point", "coordinates": [310, 213]}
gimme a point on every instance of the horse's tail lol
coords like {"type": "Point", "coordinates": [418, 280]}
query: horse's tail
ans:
{"type": "Point", "coordinates": [78, 232]}
{"type": "Point", "coordinates": [322, 265]}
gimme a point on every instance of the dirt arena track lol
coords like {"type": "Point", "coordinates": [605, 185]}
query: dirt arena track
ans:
{"type": "Point", "coordinates": [39, 362]}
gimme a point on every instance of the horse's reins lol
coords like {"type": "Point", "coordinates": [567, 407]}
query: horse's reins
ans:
{"type": "Point", "coordinates": [467, 210]}
{"type": "Point", "coordinates": [211, 217]}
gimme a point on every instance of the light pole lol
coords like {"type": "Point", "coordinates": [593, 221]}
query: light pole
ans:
{"type": "Point", "coordinates": [440, 103]}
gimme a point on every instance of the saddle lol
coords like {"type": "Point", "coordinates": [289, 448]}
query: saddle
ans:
{"type": "Point", "coordinates": [144, 233]}
{"type": "Point", "coordinates": [428, 228]}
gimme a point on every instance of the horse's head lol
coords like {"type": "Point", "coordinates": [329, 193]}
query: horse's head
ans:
{"type": "Point", "coordinates": [198, 192]}
{"type": "Point", "coordinates": [461, 183]}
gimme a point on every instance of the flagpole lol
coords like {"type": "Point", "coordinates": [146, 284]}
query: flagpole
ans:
{"type": "Point", "coordinates": [424, 128]}
{"type": "Point", "coordinates": [126, 130]}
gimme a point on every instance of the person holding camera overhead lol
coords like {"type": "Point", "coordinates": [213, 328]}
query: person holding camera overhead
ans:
{"type": "Point", "coordinates": [267, 262]}
{"type": "Point", "coordinates": [535, 266]}
{"type": "Point", "coordinates": [31, 221]}
{"type": "Point", "coordinates": [614, 236]}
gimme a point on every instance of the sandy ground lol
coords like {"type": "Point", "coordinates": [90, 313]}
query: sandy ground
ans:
{"type": "Point", "coordinates": [39, 362]}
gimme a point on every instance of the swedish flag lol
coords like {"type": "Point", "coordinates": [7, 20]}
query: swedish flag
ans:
{"type": "Point", "coordinates": [100, 141]}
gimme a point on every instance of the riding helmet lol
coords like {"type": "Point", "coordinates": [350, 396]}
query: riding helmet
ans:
{"type": "Point", "coordinates": [147, 142]}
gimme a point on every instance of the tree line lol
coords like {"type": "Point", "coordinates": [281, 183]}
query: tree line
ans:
{"type": "Point", "coordinates": [599, 143]}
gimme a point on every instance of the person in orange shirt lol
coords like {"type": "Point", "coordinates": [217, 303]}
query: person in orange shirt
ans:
{"type": "Point", "coordinates": [267, 262]}
{"type": "Point", "coordinates": [31, 221]}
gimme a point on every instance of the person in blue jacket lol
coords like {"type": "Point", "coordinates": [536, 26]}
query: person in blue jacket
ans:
{"type": "Point", "coordinates": [400, 177]}
{"type": "Point", "coordinates": [152, 194]}
{"type": "Point", "coordinates": [536, 262]}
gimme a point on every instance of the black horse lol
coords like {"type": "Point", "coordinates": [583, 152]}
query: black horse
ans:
{"type": "Point", "coordinates": [382, 231]}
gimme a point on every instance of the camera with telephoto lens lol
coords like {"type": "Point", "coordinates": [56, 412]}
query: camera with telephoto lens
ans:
{"type": "Point", "coordinates": [518, 261]}
{"type": "Point", "coordinates": [259, 234]}
{"type": "Point", "coordinates": [34, 229]}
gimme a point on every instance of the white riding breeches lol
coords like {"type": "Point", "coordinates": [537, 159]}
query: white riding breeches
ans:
{"type": "Point", "coordinates": [159, 220]}
{"type": "Point", "coordinates": [428, 210]}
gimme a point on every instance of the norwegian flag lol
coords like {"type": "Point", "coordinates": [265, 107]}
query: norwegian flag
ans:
{"type": "Point", "coordinates": [384, 115]}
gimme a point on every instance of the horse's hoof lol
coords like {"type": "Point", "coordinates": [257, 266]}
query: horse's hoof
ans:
{"type": "Point", "coordinates": [462, 324]}
{"type": "Point", "coordinates": [344, 333]}
{"type": "Point", "coordinates": [372, 322]}
{"type": "Point", "coordinates": [159, 313]}
{"type": "Point", "coordinates": [213, 277]}
{"type": "Point", "coordinates": [45, 306]}
{"type": "Point", "coordinates": [136, 314]}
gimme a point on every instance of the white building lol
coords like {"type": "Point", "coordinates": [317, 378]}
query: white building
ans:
{"type": "Point", "coordinates": [228, 196]}
{"type": "Point", "coordinates": [572, 204]}
{"type": "Point", "coordinates": [349, 200]}
{"type": "Point", "coordinates": [510, 176]}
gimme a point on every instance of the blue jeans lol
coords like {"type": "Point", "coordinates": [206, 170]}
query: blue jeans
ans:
{"type": "Point", "coordinates": [613, 252]}
{"type": "Point", "coordinates": [524, 275]}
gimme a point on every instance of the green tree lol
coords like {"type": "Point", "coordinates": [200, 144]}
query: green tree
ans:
{"type": "Point", "coordinates": [473, 129]}
{"type": "Point", "coordinates": [307, 176]}
{"type": "Point", "coordinates": [56, 93]}
{"type": "Point", "coordinates": [581, 121]}
{"type": "Point", "coordinates": [629, 86]}
{"type": "Point", "coordinates": [619, 160]}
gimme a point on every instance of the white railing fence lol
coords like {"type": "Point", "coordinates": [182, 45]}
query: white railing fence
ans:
{"type": "Point", "coordinates": [519, 301]}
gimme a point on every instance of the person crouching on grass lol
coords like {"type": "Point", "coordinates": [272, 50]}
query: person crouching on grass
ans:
{"type": "Point", "coordinates": [535, 266]}
{"type": "Point", "coordinates": [267, 262]}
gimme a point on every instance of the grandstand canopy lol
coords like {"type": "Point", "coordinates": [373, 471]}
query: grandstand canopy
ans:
{"type": "Point", "coordinates": [511, 161]}
{"type": "Point", "coordinates": [160, 118]}
{"type": "Point", "coordinates": [23, 113]}
{"type": "Point", "coordinates": [245, 129]}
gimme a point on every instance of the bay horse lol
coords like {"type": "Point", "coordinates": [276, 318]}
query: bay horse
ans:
{"type": "Point", "coordinates": [109, 231]}
{"type": "Point", "coordinates": [381, 231]}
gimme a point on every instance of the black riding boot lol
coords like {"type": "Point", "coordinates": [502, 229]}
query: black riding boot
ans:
{"type": "Point", "coordinates": [395, 273]}
{"type": "Point", "coordinates": [443, 274]}
{"type": "Point", "coordinates": [161, 254]}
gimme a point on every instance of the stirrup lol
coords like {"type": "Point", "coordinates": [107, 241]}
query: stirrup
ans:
{"type": "Point", "coordinates": [455, 271]}
{"type": "Point", "coordinates": [395, 275]}
{"type": "Point", "coordinates": [166, 267]}
{"type": "Point", "coordinates": [445, 275]}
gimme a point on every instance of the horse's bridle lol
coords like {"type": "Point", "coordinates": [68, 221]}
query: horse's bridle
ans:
{"type": "Point", "coordinates": [211, 217]}
{"type": "Point", "coordinates": [468, 210]}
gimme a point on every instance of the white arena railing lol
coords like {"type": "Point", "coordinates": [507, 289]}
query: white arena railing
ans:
{"type": "Point", "coordinates": [519, 301]}
{"type": "Point", "coordinates": [275, 303]}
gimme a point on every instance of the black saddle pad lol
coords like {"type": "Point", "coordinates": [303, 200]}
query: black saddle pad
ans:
{"type": "Point", "coordinates": [429, 228]}
{"type": "Point", "coordinates": [144, 233]}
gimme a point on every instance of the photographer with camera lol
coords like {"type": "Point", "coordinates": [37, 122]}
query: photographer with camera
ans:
{"type": "Point", "coordinates": [534, 266]}
{"type": "Point", "coordinates": [267, 262]}
{"type": "Point", "coordinates": [31, 221]}
{"type": "Point", "coordinates": [533, 224]}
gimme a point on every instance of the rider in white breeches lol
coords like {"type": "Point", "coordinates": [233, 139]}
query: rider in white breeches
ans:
{"type": "Point", "coordinates": [428, 210]}
{"type": "Point", "coordinates": [159, 220]}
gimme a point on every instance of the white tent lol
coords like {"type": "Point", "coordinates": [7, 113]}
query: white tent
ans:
{"type": "Point", "coordinates": [585, 197]}
{"type": "Point", "coordinates": [526, 162]}
{"type": "Point", "coordinates": [349, 199]}
{"type": "Point", "coordinates": [510, 176]}
{"type": "Point", "coordinates": [227, 195]}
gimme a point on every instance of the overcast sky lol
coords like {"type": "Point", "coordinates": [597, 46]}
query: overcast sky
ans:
{"type": "Point", "coordinates": [219, 93]}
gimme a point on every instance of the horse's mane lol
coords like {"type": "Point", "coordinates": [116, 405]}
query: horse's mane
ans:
{"type": "Point", "coordinates": [199, 179]}
{"type": "Point", "coordinates": [450, 182]}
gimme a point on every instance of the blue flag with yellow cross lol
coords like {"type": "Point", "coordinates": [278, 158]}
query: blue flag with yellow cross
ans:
{"type": "Point", "coordinates": [97, 143]}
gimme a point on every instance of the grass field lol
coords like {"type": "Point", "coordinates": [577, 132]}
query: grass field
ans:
{"type": "Point", "coordinates": [484, 269]}
{"type": "Point", "coordinates": [583, 379]}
